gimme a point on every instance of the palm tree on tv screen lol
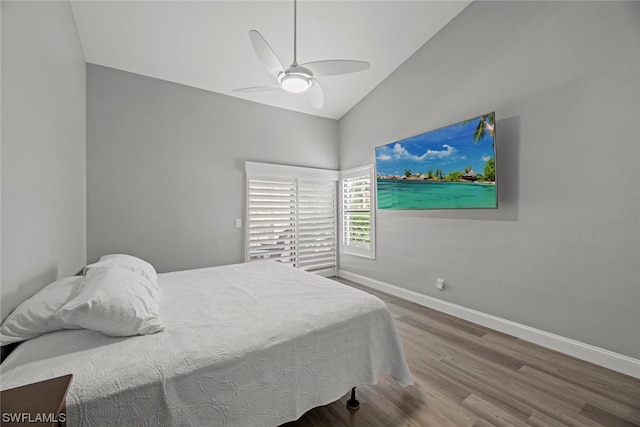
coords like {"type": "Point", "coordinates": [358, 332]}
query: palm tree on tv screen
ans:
{"type": "Point", "coordinates": [486, 123]}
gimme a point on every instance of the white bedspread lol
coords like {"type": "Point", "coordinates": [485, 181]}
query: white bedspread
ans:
{"type": "Point", "coordinates": [254, 344]}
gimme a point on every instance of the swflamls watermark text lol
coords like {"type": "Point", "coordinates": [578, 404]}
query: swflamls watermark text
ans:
{"type": "Point", "coordinates": [38, 417]}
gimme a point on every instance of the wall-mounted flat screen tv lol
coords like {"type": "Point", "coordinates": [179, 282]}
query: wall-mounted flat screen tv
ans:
{"type": "Point", "coordinates": [452, 167]}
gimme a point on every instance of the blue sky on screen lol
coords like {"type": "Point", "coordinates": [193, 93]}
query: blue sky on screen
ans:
{"type": "Point", "coordinates": [450, 149]}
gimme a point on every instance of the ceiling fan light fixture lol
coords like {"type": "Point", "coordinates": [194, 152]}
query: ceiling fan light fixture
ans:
{"type": "Point", "coordinates": [295, 83]}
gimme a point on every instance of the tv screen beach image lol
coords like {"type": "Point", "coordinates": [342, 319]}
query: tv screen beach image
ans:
{"type": "Point", "coordinates": [448, 168]}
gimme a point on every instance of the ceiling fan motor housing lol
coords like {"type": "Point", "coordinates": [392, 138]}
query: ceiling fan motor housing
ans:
{"type": "Point", "coordinates": [296, 79]}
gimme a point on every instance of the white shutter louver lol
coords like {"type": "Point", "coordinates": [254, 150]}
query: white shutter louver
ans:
{"type": "Point", "coordinates": [356, 208]}
{"type": "Point", "coordinates": [271, 208]}
{"type": "Point", "coordinates": [317, 231]}
{"type": "Point", "coordinates": [357, 213]}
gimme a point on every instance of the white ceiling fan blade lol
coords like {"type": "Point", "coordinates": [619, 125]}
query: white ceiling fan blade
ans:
{"type": "Point", "coordinates": [258, 89]}
{"type": "Point", "coordinates": [315, 95]}
{"type": "Point", "coordinates": [335, 67]}
{"type": "Point", "coordinates": [265, 53]}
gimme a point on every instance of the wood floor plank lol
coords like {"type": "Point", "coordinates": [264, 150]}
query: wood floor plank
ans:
{"type": "Point", "coordinates": [595, 400]}
{"type": "Point", "coordinates": [435, 418]}
{"type": "Point", "coordinates": [538, 419]}
{"type": "Point", "coordinates": [606, 418]}
{"type": "Point", "coordinates": [561, 408]}
{"type": "Point", "coordinates": [601, 381]}
{"type": "Point", "coordinates": [458, 342]}
{"type": "Point", "coordinates": [467, 375]}
{"type": "Point", "coordinates": [491, 413]}
{"type": "Point", "coordinates": [487, 390]}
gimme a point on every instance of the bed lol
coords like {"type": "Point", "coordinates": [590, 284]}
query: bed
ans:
{"type": "Point", "coordinates": [254, 344]}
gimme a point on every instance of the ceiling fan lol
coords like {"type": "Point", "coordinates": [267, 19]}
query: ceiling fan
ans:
{"type": "Point", "coordinates": [299, 78]}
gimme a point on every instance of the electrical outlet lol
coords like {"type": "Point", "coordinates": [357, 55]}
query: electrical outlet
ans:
{"type": "Point", "coordinates": [440, 284]}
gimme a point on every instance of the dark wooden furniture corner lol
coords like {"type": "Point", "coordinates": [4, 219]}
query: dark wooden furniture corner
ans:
{"type": "Point", "coordinates": [42, 401]}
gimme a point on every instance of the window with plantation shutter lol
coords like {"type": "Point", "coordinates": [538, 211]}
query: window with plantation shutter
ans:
{"type": "Point", "coordinates": [291, 216]}
{"type": "Point", "coordinates": [358, 212]}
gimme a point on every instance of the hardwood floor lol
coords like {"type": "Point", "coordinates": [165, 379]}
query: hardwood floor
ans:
{"type": "Point", "coordinates": [469, 375]}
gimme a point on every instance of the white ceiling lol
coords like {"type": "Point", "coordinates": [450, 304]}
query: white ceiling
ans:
{"type": "Point", "coordinates": [205, 44]}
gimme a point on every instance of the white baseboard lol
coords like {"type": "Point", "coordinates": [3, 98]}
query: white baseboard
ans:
{"type": "Point", "coordinates": [599, 356]}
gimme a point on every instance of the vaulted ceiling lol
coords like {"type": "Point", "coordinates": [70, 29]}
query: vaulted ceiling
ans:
{"type": "Point", "coordinates": [205, 44]}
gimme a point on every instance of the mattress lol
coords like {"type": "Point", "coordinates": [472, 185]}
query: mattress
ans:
{"type": "Point", "coordinates": [255, 344]}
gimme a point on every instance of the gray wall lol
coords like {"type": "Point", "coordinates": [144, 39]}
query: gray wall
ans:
{"type": "Point", "coordinates": [43, 148]}
{"type": "Point", "coordinates": [562, 252]}
{"type": "Point", "coordinates": [165, 166]}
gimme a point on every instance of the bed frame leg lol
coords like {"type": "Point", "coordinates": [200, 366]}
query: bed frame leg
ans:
{"type": "Point", "coordinates": [353, 404]}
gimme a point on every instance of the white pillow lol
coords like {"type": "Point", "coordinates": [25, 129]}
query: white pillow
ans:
{"type": "Point", "coordinates": [129, 262]}
{"type": "Point", "coordinates": [36, 315]}
{"type": "Point", "coordinates": [115, 301]}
